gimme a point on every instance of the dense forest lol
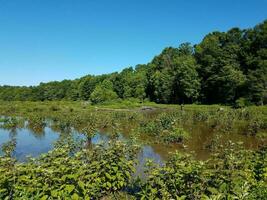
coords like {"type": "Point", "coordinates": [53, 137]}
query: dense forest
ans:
{"type": "Point", "coordinates": [225, 68]}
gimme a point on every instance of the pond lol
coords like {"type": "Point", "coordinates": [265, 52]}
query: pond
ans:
{"type": "Point", "coordinates": [30, 143]}
{"type": "Point", "coordinates": [35, 142]}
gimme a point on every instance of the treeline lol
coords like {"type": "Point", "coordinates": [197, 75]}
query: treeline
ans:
{"type": "Point", "coordinates": [226, 67]}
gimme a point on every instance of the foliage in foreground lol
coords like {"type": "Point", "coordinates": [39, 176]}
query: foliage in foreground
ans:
{"type": "Point", "coordinates": [230, 174]}
{"type": "Point", "coordinates": [72, 172]}
{"type": "Point", "coordinates": [66, 173]}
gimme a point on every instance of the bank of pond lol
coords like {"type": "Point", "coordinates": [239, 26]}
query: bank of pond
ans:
{"type": "Point", "coordinates": [67, 151]}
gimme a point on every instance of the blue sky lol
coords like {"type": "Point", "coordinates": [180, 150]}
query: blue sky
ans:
{"type": "Point", "coordinates": [45, 40]}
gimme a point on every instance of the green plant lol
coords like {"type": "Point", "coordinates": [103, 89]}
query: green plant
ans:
{"type": "Point", "coordinates": [176, 135]}
{"type": "Point", "coordinates": [241, 103]}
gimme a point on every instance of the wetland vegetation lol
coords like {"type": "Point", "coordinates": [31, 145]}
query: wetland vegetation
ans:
{"type": "Point", "coordinates": [168, 152]}
{"type": "Point", "coordinates": [144, 133]}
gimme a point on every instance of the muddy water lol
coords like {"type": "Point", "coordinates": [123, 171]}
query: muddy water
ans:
{"type": "Point", "coordinates": [201, 140]}
{"type": "Point", "coordinates": [35, 142]}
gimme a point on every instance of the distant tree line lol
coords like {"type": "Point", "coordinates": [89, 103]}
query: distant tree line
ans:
{"type": "Point", "coordinates": [225, 67]}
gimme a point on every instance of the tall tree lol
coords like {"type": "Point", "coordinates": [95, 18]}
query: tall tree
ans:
{"type": "Point", "coordinates": [173, 76]}
{"type": "Point", "coordinates": [103, 92]}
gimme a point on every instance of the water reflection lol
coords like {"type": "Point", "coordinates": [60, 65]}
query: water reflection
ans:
{"type": "Point", "coordinates": [147, 153]}
{"type": "Point", "coordinates": [29, 143]}
{"type": "Point", "coordinates": [34, 140]}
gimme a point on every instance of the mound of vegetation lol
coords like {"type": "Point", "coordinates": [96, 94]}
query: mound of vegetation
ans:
{"type": "Point", "coordinates": [106, 171]}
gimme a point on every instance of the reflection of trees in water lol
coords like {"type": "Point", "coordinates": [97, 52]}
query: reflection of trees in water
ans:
{"type": "Point", "coordinates": [13, 133]}
{"type": "Point", "coordinates": [38, 131]}
{"type": "Point", "coordinates": [61, 127]}
{"type": "Point", "coordinates": [37, 126]}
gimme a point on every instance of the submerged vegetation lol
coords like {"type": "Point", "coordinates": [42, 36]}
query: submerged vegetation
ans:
{"type": "Point", "coordinates": [107, 171]}
{"type": "Point", "coordinates": [160, 121]}
{"type": "Point", "coordinates": [76, 169]}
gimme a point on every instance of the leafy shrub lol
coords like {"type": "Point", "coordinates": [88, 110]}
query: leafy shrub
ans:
{"type": "Point", "coordinates": [36, 124]}
{"type": "Point", "coordinates": [176, 135]}
{"type": "Point", "coordinates": [103, 92]}
{"type": "Point", "coordinates": [54, 108]}
{"type": "Point", "coordinates": [87, 174]}
{"type": "Point", "coordinates": [179, 179]}
{"type": "Point", "coordinates": [229, 174]}
{"type": "Point", "coordinates": [11, 123]}
{"type": "Point", "coordinates": [241, 103]}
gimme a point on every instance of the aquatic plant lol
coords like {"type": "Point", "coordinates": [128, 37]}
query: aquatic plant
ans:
{"type": "Point", "coordinates": [71, 171]}
{"type": "Point", "coordinates": [36, 124]}
{"type": "Point", "coordinates": [175, 135]}
{"type": "Point", "coordinates": [229, 174]}
{"type": "Point", "coordinates": [12, 123]}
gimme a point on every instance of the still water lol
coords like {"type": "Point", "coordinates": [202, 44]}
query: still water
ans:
{"type": "Point", "coordinates": [33, 143]}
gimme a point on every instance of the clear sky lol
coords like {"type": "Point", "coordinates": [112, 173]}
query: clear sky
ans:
{"type": "Point", "coordinates": [44, 40]}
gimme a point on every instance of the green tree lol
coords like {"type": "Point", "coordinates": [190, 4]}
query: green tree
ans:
{"type": "Point", "coordinates": [103, 92]}
{"type": "Point", "coordinates": [254, 58]}
{"type": "Point", "coordinates": [88, 84]}
{"type": "Point", "coordinates": [220, 67]}
{"type": "Point", "coordinates": [173, 76]}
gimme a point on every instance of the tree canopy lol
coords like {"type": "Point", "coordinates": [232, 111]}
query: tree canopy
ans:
{"type": "Point", "coordinates": [225, 67]}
